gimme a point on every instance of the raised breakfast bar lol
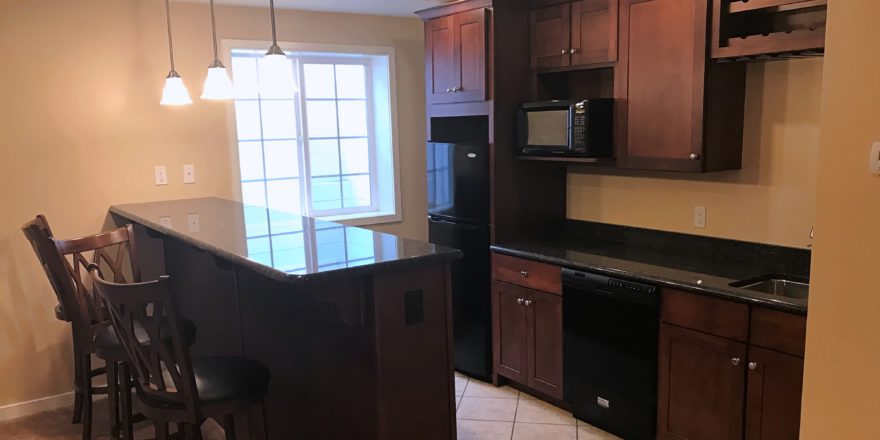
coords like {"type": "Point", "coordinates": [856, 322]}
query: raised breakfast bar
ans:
{"type": "Point", "coordinates": [354, 325]}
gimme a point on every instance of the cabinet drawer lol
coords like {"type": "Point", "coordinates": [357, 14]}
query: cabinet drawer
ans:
{"type": "Point", "coordinates": [527, 273]}
{"type": "Point", "coordinates": [709, 315]}
{"type": "Point", "coordinates": [779, 331]}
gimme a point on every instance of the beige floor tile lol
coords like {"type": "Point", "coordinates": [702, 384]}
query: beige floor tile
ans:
{"type": "Point", "coordinates": [457, 402]}
{"type": "Point", "coordinates": [476, 388]}
{"type": "Point", "coordinates": [527, 396]}
{"type": "Point", "coordinates": [484, 430]}
{"type": "Point", "coordinates": [536, 431]}
{"type": "Point", "coordinates": [460, 384]}
{"type": "Point", "coordinates": [536, 411]}
{"type": "Point", "coordinates": [589, 432]}
{"type": "Point", "coordinates": [487, 408]}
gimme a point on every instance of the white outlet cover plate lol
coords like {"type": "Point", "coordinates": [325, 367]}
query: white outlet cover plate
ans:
{"type": "Point", "coordinates": [699, 216]}
{"type": "Point", "coordinates": [161, 175]}
{"type": "Point", "coordinates": [192, 222]}
{"type": "Point", "coordinates": [189, 174]}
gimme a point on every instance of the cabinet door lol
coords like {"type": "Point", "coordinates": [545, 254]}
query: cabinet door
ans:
{"type": "Point", "coordinates": [773, 408]}
{"type": "Point", "coordinates": [662, 71]}
{"type": "Point", "coordinates": [545, 343]}
{"type": "Point", "coordinates": [440, 55]}
{"type": "Point", "coordinates": [593, 31]}
{"type": "Point", "coordinates": [470, 56]}
{"type": "Point", "coordinates": [509, 323]}
{"type": "Point", "coordinates": [701, 386]}
{"type": "Point", "coordinates": [550, 30]}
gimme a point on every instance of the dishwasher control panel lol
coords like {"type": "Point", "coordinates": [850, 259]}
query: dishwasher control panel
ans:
{"type": "Point", "coordinates": [596, 284]}
{"type": "Point", "coordinates": [632, 287]}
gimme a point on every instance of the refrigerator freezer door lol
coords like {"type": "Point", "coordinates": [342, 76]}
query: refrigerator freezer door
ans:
{"type": "Point", "coordinates": [471, 306]}
{"type": "Point", "coordinates": [458, 181]}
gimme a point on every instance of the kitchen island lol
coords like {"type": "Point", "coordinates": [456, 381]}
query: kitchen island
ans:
{"type": "Point", "coordinates": [354, 325]}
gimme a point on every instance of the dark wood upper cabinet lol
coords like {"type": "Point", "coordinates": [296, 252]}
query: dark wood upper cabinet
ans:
{"type": "Point", "coordinates": [439, 58]}
{"type": "Point", "coordinates": [455, 54]}
{"type": "Point", "coordinates": [678, 111]}
{"type": "Point", "coordinates": [510, 324]}
{"type": "Point", "coordinates": [550, 30]}
{"type": "Point", "coordinates": [701, 385]}
{"type": "Point", "coordinates": [773, 407]}
{"type": "Point", "coordinates": [574, 34]}
{"type": "Point", "coordinates": [545, 343]}
{"type": "Point", "coordinates": [593, 31]}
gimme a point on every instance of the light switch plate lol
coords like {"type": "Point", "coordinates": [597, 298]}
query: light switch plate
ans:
{"type": "Point", "coordinates": [161, 175]}
{"type": "Point", "coordinates": [192, 222]}
{"type": "Point", "coordinates": [699, 216]}
{"type": "Point", "coordinates": [189, 174]}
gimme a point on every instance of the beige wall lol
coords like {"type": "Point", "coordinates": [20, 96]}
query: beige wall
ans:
{"type": "Point", "coordinates": [770, 200]}
{"type": "Point", "coordinates": [841, 384]}
{"type": "Point", "coordinates": [81, 128]}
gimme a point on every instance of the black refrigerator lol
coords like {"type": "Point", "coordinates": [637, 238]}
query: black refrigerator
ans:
{"type": "Point", "coordinates": [458, 217]}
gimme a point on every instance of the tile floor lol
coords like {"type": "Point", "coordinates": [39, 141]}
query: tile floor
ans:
{"type": "Point", "coordinates": [485, 412]}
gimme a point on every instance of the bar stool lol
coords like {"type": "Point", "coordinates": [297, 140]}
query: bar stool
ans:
{"type": "Point", "coordinates": [90, 325]}
{"type": "Point", "coordinates": [171, 387]}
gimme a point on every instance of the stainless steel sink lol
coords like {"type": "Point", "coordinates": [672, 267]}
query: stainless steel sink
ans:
{"type": "Point", "coordinates": [787, 286]}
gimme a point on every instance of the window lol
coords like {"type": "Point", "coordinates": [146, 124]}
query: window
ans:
{"type": "Point", "coordinates": [323, 148]}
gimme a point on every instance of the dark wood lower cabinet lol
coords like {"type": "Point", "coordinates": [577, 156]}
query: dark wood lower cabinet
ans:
{"type": "Point", "coordinates": [701, 385]}
{"type": "Point", "coordinates": [773, 408]}
{"type": "Point", "coordinates": [545, 343]}
{"type": "Point", "coordinates": [510, 324]}
{"type": "Point", "coordinates": [527, 326]}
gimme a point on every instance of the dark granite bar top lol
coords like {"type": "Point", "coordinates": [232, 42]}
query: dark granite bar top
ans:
{"type": "Point", "coordinates": [282, 246]}
{"type": "Point", "coordinates": [692, 263]}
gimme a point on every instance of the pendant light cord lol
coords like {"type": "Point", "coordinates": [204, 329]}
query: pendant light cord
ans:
{"type": "Point", "coordinates": [272, 13]}
{"type": "Point", "coordinates": [170, 44]}
{"type": "Point", "coordinates": [214, 30]}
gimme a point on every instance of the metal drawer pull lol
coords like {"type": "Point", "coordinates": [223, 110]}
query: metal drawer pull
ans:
{"type": "Point", "coordinates": [524, 274]}
{"type": "Point", "coordinates": [565, 51]}
{"type": "Point", "coordinates": [694, 156]}
{"type": "Point", "coordinates": [519, 301]}
{"type": "Point", "coordinates": [528, 302]}
{"type": "Point", "coordinates": [753, 365]}
{"type": "Point", "coordinates": [574, 51]}
{"type": "Point", "coordinates": [734, 361]}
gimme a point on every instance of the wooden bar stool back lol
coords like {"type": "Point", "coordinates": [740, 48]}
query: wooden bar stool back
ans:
{"type": "Point", "coordinates": [172, 387]}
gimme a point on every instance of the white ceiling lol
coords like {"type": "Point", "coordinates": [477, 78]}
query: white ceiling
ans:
{"type": "Point", "coordinates": [403, 8]}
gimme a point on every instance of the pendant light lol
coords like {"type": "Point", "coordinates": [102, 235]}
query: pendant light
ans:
{"type": "Point", "coordinates": [218, 86]}
{"type": "Point", "coordinates": [274, 54]}
{"type": "Point", "coordinates": [175, 92]}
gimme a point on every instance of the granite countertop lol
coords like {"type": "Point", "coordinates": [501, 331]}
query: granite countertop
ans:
{"type": "Point", "coordinates": [709, 272]}
{"type": "Point", "coordinates": [282, 246]}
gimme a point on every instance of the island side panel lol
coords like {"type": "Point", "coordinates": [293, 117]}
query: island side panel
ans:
{"type": "Point", "coordinates": [206, 294]}
{"type": "Point", "coordinates": [414, 346]}
{"type": "Point", "coordinates": [317, 339]}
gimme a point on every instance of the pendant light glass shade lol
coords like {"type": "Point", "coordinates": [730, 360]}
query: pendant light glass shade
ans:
{"type": "Point", "coordinates": [218, 86]}
{"type": "Point", "coordinates": [175, 92]}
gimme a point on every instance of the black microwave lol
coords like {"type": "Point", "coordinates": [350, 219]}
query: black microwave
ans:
{"type": "Point", "coordinates": [580, 128]}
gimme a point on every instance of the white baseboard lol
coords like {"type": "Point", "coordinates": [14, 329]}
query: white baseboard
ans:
{"type": "Point", "coordinates": [36, 406]}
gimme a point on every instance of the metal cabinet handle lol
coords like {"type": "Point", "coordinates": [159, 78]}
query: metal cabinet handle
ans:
{"type": "Point", "coordinates": [753, 365]}
{"type": "Point", "coordinates": [449, 90]}
{"type": "Point", "coordinates": [694, 156]}
{"type": "Point", "coordinates": [519, 301]}
{"type": "Point", "coordinates": [574, 51]}
{"type": "Point", "coordinates": [528, 302]}
{"type": "Point", "coordinates": [565, 51]}
{"type": "Point", "coordinates": [734, 361]}
{"type": "Point", "coordinates": [456, 89]}
{"type": "Point", "coordinates": [524, 274]}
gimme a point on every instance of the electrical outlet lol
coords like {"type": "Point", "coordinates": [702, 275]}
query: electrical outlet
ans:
{"type": "Point", "coordinates": [161, 175]}
{"type": "Point", "coordinates": [699, 216]}
{"type": "Point", "coordinates": [189, 174]}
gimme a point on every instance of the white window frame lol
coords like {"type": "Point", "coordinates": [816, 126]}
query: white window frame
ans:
{"type": "Point", "coordinates": [386, 192]}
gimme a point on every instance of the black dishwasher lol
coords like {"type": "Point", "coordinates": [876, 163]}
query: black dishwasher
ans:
{"type": "Point", "coordinates": [610, 337]}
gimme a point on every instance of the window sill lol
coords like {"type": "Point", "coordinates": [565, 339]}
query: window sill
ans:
{"type": "Point", "coordinates": [364, 218]}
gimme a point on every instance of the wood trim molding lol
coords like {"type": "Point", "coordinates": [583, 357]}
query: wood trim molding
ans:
{"type": "Point", "coordinates": [36, 406]}
{"type": "Point", "coordinates": [453, 8]}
